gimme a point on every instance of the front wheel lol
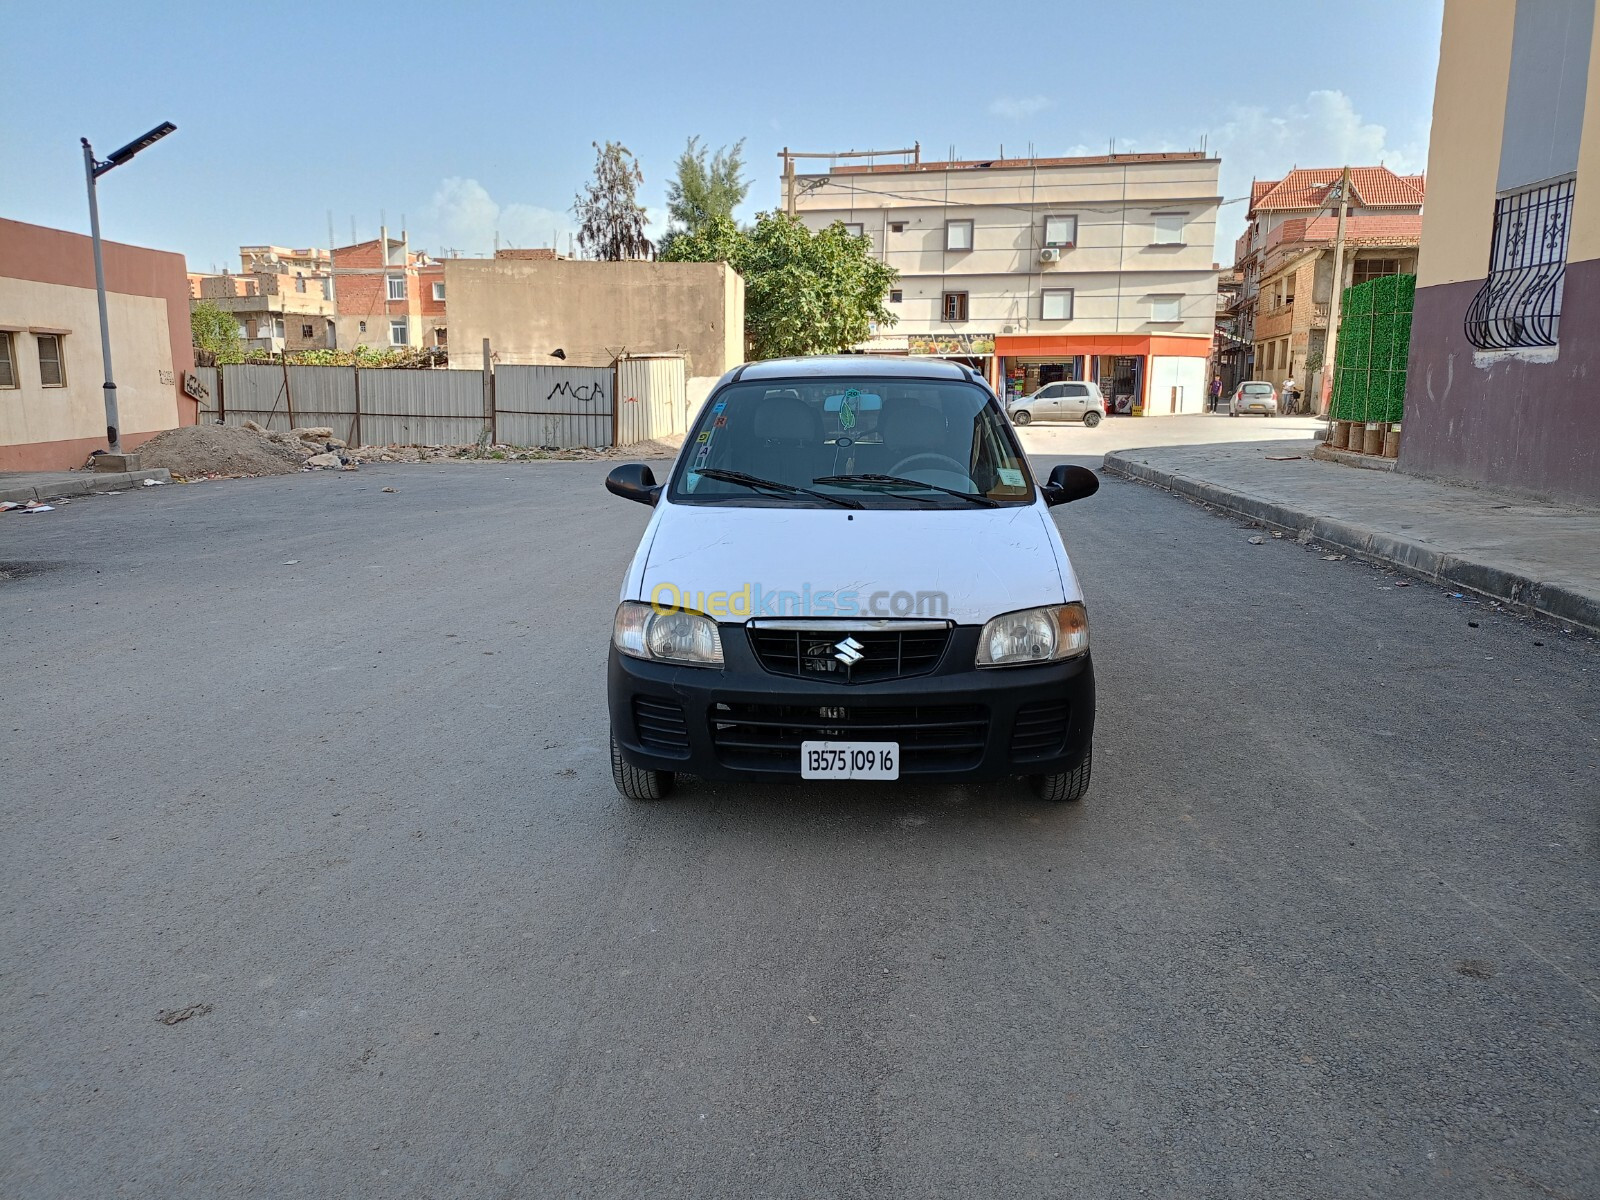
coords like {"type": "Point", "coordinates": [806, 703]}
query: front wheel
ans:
{"type": "Point", "coordinates": [1021, 418]}
{"type": "Point", "coordinates": [636, 783]}
{"type": "Point", "coordinates": [1091, 419]}
{"type": "Point", "coordinates": [1067, 786]}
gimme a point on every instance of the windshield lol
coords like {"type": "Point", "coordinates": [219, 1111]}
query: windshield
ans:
{"type": "Point", "coordinates": [1257, 389]}
{"type": "Point", "coordinates": [923, 443]}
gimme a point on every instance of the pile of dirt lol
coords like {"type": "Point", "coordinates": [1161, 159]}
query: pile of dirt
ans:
{"type": "Point", "coordinates": [208, 451]}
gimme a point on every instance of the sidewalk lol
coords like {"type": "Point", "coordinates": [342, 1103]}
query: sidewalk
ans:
{"type": "Point", "coordinates": [1536, 557]}
{"type": "Point", "coordinates": [22, 486]}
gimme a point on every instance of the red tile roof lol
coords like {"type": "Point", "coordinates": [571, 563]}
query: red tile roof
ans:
{"type": "Point", "coordinates": [1403, 230]}
{"type": "Point", "coordinates": [1375, 187]}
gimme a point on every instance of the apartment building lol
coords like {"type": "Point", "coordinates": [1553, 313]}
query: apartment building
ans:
{"type": "Point", "coordinates": [389, 296]}
{"type": "Point", "coordinates": [1503, 386]}
{"type": "Point", "coordinates": [1040, 269]}
{"type": "Point", "coordinates": [282, 298]}
{"type": "Point", "coordinates": [1285, 258]}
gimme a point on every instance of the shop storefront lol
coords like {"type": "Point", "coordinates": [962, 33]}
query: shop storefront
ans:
{"type": "Point", "coordinates": [976, 350]}
{"type": "Point", "coordinates": [1138, 374]}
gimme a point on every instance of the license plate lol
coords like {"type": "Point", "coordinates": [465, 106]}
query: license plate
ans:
{"type": "Point", "coordinates": [849, 760]}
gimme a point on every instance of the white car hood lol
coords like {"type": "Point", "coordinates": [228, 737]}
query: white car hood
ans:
{"type": "Point", "coordinates": [985, 560]}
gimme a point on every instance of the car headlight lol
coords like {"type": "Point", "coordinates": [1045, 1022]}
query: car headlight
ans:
{"type": "Point", "coordinates": [1034, 635]}
{"type": "Point", "coordinates": [678, 637]}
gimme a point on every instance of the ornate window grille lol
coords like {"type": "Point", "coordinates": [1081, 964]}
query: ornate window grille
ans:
{"type": "Point", "coordinates": [1519, 305]}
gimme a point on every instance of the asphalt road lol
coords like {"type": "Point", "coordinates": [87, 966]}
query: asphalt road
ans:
{"type": "Point", "coordinates": [331, 763]}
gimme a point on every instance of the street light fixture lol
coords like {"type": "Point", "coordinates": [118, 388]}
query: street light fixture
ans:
{"type": "Point", "coordinates": [92, 170]}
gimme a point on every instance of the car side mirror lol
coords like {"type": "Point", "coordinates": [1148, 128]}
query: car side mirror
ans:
{"type": "Point", "coordinates": [634, 481]}
{"type": "Point", "coordinates": [1069, 483]}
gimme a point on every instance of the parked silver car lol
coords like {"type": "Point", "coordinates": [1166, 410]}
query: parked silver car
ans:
{"type": "Point", "coordinates": [1254, 396]}
{"type": "Point", "coordinates": [1066, 400]}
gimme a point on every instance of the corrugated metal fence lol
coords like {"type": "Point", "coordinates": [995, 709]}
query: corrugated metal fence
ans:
{"type": "Point", "coordinates": [516, 405]}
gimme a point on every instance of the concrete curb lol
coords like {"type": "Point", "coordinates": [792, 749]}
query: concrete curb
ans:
{"type": "Point", "coordinates": [90, 483]}
{"type": "Point", "coordinates": [1455, 571]}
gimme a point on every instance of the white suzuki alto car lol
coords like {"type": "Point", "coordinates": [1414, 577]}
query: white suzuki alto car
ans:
{"type": "Point", "coordinates": [851, 574]}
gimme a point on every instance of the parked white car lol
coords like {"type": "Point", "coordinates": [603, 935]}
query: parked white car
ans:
{"type": "Point", "coordinates": [851, 574]}
{"type": "Point", "coordinates": [1067, 400]}
{"type": "Point", "coordinates": [1254, 396]}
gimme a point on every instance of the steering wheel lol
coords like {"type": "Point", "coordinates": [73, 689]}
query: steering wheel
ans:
{"type": "Point", "coordinates": [941, 459]}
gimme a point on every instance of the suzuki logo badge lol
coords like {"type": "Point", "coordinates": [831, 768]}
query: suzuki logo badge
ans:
{"type": "Point", "coordinates": [849, 652]}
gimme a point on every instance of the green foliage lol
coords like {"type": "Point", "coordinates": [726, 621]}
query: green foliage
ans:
{"type": "Point", "coordinates": [804, 292]}
{"type": "Point", "coordinates": [1369, 382]}
{"type": "Point", "coordinates": [703, 190]}
{"type": "Point", "coordinates": [611, 219]}
{"type": "Point", "coordinates": [215, 330]}
{"type": "Point", "coordinates": [360, 356]}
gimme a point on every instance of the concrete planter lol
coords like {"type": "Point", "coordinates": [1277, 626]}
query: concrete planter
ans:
{"type": "Point", "coordinates": [1371, 438]}
{"type": "Point", "coordinates": [1341, 435]}
{"type": "Point", "coordinates": [1391, 441]}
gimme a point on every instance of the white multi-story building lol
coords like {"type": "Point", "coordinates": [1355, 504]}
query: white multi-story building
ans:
{"type": "Point", "coordinates": [1041, 269]}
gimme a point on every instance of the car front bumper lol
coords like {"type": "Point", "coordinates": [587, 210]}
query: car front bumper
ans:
{"type": "Point", "coordinates": [956, 723]}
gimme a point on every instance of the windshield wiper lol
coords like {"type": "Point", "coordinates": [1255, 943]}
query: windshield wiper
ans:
{"type": "Point", "coordinates": [975, 497]}
{"type": "Point", "coordinates": [787, 489]}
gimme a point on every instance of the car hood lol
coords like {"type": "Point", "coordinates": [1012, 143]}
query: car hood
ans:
{"type": "Point", "coordinates": [804, 562]}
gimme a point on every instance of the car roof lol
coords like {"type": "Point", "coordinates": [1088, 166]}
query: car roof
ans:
{"type": "Point", "coordinates": [857, 366]}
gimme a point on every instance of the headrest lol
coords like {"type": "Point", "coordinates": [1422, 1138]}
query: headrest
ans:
{"type": "Point", "coordinates": [780, 418]}
{"type": "Point", "coordinates": [909, 423]}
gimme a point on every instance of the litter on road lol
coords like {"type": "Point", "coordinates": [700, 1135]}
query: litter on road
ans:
{"type": "Point", "coordinates": [1257, 540]}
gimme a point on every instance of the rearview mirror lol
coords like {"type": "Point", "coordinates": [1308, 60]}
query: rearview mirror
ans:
{"type": "Point", "coordinates": [1069, 483]}
{"type": "Point", "coordinates": [634, 481]}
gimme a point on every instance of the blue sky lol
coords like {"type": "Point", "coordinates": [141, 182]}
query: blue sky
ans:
{"type": "Point", "coordinates": [465, 118]}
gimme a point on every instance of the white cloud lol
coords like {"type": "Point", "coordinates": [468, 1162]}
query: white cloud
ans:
{"type": "Point", "coordinates": [1018, 108]}
{"type": "Point", "coordinates": [464, 217]}
{"type": "Point", "coordinates": [1324, 131]}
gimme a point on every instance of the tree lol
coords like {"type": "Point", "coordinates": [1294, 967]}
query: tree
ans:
{"type": "Point", "coordinates": [804, 292]}
{"type": "Point", "coordinates": [705, 190]}
{"type": "Point", "coordinates": [611, 219]}
{"type": "Point", "coordinates": [215, 330]}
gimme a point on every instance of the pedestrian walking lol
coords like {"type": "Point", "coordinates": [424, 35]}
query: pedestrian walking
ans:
{"type": "Point", "coordinates": [1216, 391]}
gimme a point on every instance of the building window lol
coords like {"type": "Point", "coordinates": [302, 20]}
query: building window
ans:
{"type": "Point", "coordinates": [327, 287]}
{"type": "Point", "coordinates": [1057, 304]}
{"type": "Point", "coordinates": [52, 371]}
{"type": "Point", "coordinates": [277, 327]}
{"type": "Point", "coordinates": [1169, 229]}
{"type": "Point", "coordinates": [305, 331]}
{"type": "Point", "coordinates": [1519, 303]}
{"type": "Point", "coordinates": [397, 287]}
{"type": "Point", "coordinates": [897, 226]}
{"type": "Point", "coordinates": [441, 337]}
{"type": "Point", "coordinates": [1368, 269]}
{"type": "Point", "coordinates": [1061, 232]}
{"type": "Point", "coordinates": [958, 236]}
{"type": "Point", "coordinates": [854, 229]}
{"type": "Point", "coordinates": [1166, 309]}
{"type": "Point", "coordinates": [955, 305]}
{"type": "Point", "coordinates": [399, 333]}
{"type": "Point", "coordinates": [299, 283]}
{"type": "Point", "coordinates": [896, 296]}
{"type": "Point", "coordinates": [438, 292]}
{"type": "Point", "coordinates": [363, 326]}
{"type": "Point", "coordinates": [8, 360]}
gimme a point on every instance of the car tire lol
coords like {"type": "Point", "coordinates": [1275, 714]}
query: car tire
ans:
{"type": "Point", "coordinates": [636, 783]}
{"type": "Point", "coordinates": [1091, 419]}
{"type": "Point", "coordinates": [1021, 418]}
{"type": "Point", "coordinates": [1066, 787]}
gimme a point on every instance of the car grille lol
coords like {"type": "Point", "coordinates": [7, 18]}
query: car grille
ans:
{"type": "Point", "coordinates": [661, 724]}
{"type": "Point", "coordinates": [1040, 731]}
{"type": "Point", "coordinates": [932, 736]}
{"type": "Point", "coordinates": [813, 653]}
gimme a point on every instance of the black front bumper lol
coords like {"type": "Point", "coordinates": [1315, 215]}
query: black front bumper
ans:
{"type": "Point", "coordinates": [955, 722]}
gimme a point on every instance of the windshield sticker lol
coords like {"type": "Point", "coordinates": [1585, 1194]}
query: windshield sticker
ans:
{"type": "Point", "coordinates": [719, 422]}
{"type": "Point", "coordinates": [719, 406]}
{"type": "Point", "coordinates": [1011, 477]}
{"type": "Point", "coordinates": [847, 409]}
{"type": "Point", "coordinates": [704, 437]}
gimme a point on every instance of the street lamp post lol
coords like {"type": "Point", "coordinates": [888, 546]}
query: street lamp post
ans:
{"type": "Point", "coordinates": [92, 170]}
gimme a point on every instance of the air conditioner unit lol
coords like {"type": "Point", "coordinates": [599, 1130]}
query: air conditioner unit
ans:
{"type": "Point", "coordinates": [1008, 329]}
{"type": "Point", "coordinates": [1050, 254]}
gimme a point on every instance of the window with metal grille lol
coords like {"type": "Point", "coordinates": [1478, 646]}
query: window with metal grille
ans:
{"type": "Point", "coordinates": [8, 360]}
{"type": "Point", "coordinates": [397, 287]}
{"type": "Point", "coordinates": [1519, 304]}
{"type": "Point", "coordinates": [305, 331]}
{"type": "Point", "coordinates": [52, 371]}
{"type": "Point", "coordinates": [896, 296]}
{"type": "Point", "coordinates": [955, 306]}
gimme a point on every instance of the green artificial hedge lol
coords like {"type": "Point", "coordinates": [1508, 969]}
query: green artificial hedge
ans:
{"type": "Point", "coordinates": [1369, 378]}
